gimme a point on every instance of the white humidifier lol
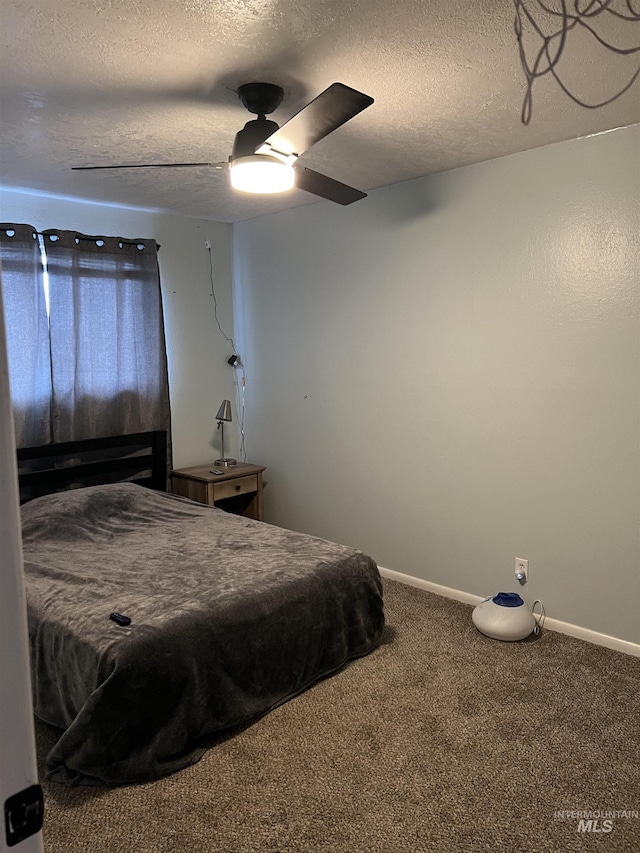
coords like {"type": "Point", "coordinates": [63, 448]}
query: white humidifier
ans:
{"type": "Point", "coordinates": [504, 616]}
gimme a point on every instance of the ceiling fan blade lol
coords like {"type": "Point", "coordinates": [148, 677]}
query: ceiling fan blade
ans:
{"type": "Point", "coordinates": [314, 182]}
{"type": "Point", "coordinates": [320, 117]}
{"type": "Point", "coordinates": [222, 165]}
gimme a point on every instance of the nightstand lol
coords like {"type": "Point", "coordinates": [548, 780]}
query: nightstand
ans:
{"type": "Point", "coordinates": [238, 489]}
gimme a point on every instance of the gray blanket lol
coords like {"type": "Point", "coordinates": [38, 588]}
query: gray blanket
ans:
{"type": "Point", "coordinates": [230, 618]}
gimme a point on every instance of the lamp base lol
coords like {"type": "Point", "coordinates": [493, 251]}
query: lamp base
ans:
{"type": "Point", "coordinates": [225, 463]}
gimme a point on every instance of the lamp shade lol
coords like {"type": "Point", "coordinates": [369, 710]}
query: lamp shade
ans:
{"type": "Point", "coordinates": [260, 173]}
{"type": "Point", "coordinates": [224, 412]}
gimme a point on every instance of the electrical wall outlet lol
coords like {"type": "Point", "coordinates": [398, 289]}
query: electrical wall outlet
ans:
{"type": "Point", "coordinates": [522, 570]}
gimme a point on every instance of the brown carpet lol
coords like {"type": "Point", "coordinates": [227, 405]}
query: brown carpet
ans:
{"type": "Point", "coordinates": [441, 740]}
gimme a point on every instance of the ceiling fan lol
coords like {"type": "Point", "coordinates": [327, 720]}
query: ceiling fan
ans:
{"type": "Point", "coordinates": [264, 158]}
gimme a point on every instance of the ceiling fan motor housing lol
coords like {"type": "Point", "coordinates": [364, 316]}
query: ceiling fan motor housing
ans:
{"type": "Point", "coordinates": [251, 136]}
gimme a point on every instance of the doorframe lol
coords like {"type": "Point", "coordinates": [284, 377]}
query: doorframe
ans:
{"type": "Point", "coordinates": [18, 768]}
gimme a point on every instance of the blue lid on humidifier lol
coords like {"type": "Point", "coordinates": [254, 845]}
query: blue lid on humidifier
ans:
{"type": "Point", "coordinates": [508, 599]}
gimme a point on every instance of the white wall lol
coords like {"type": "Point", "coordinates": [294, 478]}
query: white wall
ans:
{"type": "Point", "coordinates": [447, 375]}
{"type": "Point", "coordinates": [199, 376]}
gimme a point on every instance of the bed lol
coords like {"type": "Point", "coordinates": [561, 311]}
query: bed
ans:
{"type": "Point", "coordinates": [230, 617]}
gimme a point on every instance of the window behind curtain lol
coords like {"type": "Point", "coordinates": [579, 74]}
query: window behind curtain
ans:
{"type": "Point", "coordinates": [27, 333]}
{"type": "Point", "coordinates": [103, 348]}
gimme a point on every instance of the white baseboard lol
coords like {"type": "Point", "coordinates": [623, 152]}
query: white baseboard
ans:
{"type": "Point", "coordinates": [552, 624]}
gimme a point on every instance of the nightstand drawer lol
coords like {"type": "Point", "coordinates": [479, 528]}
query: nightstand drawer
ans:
{"type": "Point", "coordinates": [238, 486]}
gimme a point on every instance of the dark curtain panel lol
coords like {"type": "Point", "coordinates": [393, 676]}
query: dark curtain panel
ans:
{"type": "Point", "coordinates": [108, 354]}
{"type": "Point", "coordinates": [27, 333]}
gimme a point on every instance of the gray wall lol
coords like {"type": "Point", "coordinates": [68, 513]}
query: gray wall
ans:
{"type": "Point", "coordinates": [446, 375]}
{"type": "Point", "coordinates": [199, 377]}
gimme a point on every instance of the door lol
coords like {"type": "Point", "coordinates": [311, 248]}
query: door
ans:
{"type": "Point", "coordinates": [20, 794]}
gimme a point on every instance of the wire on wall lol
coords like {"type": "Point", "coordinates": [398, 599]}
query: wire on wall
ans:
{"type": "Point", "coordinates": [533, 15]}
{"type": "Point", "coordinates": [238, 367]}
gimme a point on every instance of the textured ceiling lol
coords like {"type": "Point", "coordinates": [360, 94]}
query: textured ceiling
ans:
{"type": "Point", "coordinates": [99, 82]}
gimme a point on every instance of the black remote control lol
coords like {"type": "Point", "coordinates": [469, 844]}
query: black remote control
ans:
{"type": "Point", "coordinates": [120, 619]}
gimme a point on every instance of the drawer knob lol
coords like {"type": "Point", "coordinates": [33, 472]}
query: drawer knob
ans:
{"type": "Point", "coordinates": [238, 488]}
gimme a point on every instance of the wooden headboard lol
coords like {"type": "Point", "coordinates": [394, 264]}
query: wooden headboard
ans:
{"type": "Point", "coordinates": [139, 458]}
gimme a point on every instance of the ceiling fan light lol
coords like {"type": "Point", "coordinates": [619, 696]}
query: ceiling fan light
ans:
{"type": "Point", "coordinates": [259, 173]}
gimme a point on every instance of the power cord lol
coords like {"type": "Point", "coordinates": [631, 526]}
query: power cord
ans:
{"type": "Point", "coordinates": [235, 361]}
{"type": "Point", "coordinates": [540, 620]}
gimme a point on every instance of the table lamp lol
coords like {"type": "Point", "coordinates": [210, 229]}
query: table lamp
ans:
{"type": "Point", "coordinates": [224, 414]}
